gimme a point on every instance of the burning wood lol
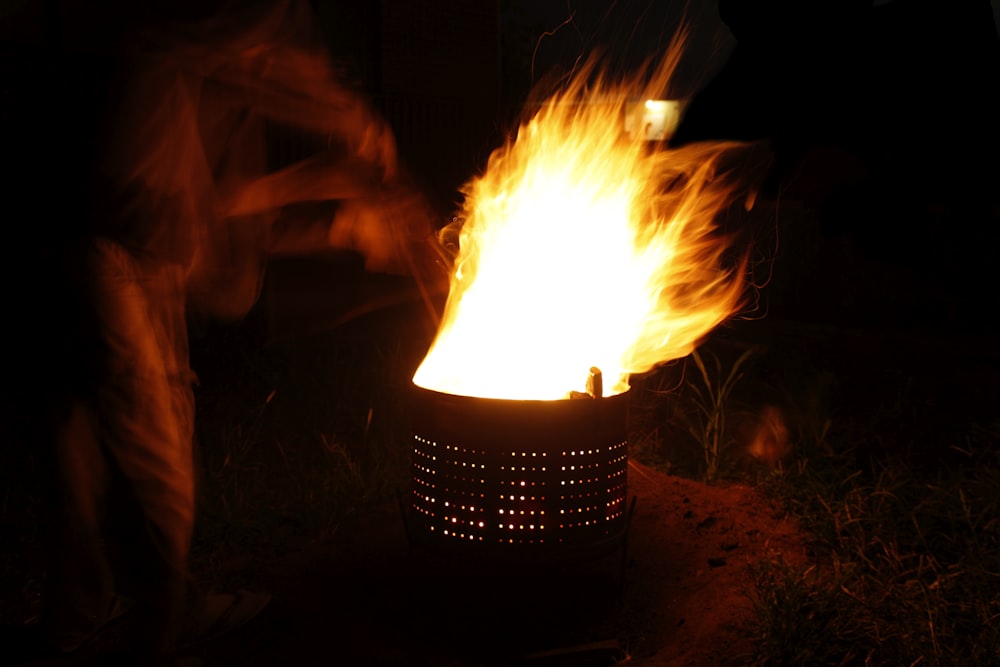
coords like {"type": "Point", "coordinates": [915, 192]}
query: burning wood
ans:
{"type": "Point", "coordinates": [595, 383]}
{"type": "Point", "coordinates": [595, 386]}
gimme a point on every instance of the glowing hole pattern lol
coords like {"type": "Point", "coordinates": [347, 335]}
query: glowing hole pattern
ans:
{"type": "Point", "coordinates": [515, 497]}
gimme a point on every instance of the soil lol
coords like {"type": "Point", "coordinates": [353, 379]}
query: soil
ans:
{"type": "Point", "coordinates": [678, 592]}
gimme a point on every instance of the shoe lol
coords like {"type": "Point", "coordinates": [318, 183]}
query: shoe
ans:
{"type": "Point", "coordinates": [35, 642]}
{"type": "Point", "coordinates": [117, 608]}
{"type": "Point", "coordinates": [221, 614]}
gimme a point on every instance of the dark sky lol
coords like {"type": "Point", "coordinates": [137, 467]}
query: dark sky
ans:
{"type": "Point", "coordinates": [630, 30]}
{"type": "Point", "coordinates": [626, 32]}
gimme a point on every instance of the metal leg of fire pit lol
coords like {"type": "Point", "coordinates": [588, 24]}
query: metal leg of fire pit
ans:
{"type": "Point", "coordinates": [628, 526]}
{"type": "Point", "coordinates": [403, 517]}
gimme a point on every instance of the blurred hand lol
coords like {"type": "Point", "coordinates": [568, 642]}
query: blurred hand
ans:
{"type": "Point", "coordinates": [395, 230]}
{"type": "Point", "coordinates": [378, 147]}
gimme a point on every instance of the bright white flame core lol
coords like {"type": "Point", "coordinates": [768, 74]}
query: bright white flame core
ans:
{"type": "Point", "coordinates": [581, 248]}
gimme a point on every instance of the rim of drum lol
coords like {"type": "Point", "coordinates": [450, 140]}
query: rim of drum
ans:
{"type": "Point", "coordinates": [483, 456]}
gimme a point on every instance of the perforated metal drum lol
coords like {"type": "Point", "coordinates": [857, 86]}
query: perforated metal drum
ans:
{"type": "Point", "coordinates": [526, 480]}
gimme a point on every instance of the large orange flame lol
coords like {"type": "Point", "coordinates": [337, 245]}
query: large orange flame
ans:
{"type": "Point", "coordinates": [584, 247]}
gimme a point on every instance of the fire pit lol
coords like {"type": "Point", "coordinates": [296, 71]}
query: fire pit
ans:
{"type": "Point", "coordinates": [580, 247]}
{"type": "Point", "coordinates": [518, 479]}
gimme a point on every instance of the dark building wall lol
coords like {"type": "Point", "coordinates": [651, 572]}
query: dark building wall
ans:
{"type": "Point", "coordinates": [432, 66]}
{"type": "Point", "coordinates": [445, 49]}
{"type": "Point", "coordinates": [439, 86]}
{"type": "Point", "coordinates": [352, 31]}
{"type": "Point", "coordinates": [434, 69]}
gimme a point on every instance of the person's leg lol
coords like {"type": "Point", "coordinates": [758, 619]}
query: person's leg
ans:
{"type": "Point", "coordinates": [146, 419]}
{"type": "Point", "coordinates": [79, 590]}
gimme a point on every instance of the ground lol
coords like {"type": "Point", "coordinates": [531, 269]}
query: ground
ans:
{"type": "Point", "coordinates": [367, 596]}
{"type": "Point", "coordinates": [683, 597]}
{"type": "Point", "coordinates": [689, 570]}
{"type": "Point", "coordinates": [370, 597]}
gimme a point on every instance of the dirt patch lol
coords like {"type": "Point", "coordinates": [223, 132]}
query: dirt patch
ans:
{"type": "Point", "coordinates": [689, 585]}
{"type": "Point", "coordinates": [679, 597]}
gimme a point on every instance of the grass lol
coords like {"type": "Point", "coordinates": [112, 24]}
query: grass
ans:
{"type": "Point", "coordinates": [702, 405]}
{"type": "Point", "coordinates": [900, 495]}
{"type": "Point", "coordinates": [893, 471]}
{"type": "Point", "coordinates": [686, 417]}
{"type": "Point", "coordinates": [299, 438]}
{"type": "Point", "coordinates": [308, 440]}
{"type": "Point", "coordinates": [294, 440]}
{"type": "Point", "coordinates": [907, 565]}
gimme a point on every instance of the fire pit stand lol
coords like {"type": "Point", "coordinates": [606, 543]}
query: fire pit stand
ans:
{"type": "Point", "coordinates": [518, 481]}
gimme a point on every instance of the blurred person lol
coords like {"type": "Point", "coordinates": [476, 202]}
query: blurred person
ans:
{"type": "Point", "coordinates": [183, 218]}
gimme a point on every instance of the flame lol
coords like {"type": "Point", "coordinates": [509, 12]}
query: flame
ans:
{"type": "Point", "coordinates": [583, 247]}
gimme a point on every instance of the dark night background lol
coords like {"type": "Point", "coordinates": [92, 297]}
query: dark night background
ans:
{"type": "Point", "coordinates": [880, 211]}
{"type": "Point", "coordinates": [882, 117]}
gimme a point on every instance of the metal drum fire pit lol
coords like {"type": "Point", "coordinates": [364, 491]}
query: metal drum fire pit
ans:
{"type": "Point", "coordinates": [519, 480]}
